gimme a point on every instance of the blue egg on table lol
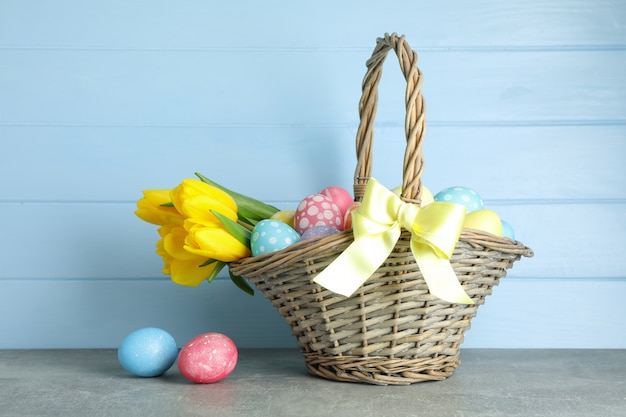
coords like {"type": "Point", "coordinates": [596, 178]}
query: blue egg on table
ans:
{"type": "Point", "coordinates": [148, 352]}
{"type": "Point", "coordinates": [507, 230]}
{"type": "Point", "coordinates": [464, 196]}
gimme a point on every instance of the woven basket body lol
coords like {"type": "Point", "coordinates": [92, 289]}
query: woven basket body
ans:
{"type": "Point", "coordinates": [392, 330]}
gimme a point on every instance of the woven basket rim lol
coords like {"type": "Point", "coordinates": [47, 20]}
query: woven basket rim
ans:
{"type": "Point", "coordinates": [299, 251]}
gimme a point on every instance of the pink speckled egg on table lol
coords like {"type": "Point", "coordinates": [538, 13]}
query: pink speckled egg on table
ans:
{"type": "Point", "coordinates": [317, 210]}
{"type": "Point", "coordinates": [208, 358]}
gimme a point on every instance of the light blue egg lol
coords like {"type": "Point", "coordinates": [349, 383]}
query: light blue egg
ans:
{"type": "Point", "coordinates": [272, 236]}
{"type": "Point", "coordinates": [148, 352]}
{"type": "Point", "coordinates": [464, 196]}
{"type": "Point", "coordinates": [507, 230]}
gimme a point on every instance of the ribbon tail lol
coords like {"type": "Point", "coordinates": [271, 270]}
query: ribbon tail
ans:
{"type": "Point", "coordinates": [358, 262]}
{"type": "Point", "coordinates": [439, 275]}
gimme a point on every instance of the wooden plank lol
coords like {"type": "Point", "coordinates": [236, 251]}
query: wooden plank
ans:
{"type": "Point", "coordinates": [107, 241]}
{"type": "Point", "coordinates": [115, 164]}
{"type": "Point", "coordinates": [193, 24]}
{"type": "Point", "coordinates": [94, 314]}
{"type": "Point", "coordinates": [286, 88]}
{"type": "Point", "coordinates": [569, 240]}
{"type": "Point", "coordinates": [545, 314]}
{"type": "Point", "coordinates": [521, 313]}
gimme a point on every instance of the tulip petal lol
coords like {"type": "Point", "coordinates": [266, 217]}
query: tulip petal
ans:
{"type": "Point", "coordinates": [174, 245]}
{"type": "Point", "coordinates": [188, 273]}
{"type": "Point", "coordinates": [215, 244]}
{"type": "Point", "coordinates": [235, 229]}
{"type": "Point", "coordinates": [195, 199]}
{"type": "Point", "coordinates": [153, 208]}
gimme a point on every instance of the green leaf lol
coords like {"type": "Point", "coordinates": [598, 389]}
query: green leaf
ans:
{"type": "Point", "coordinates": [235, 229]}
{"type": "Point", "coordinates": [250, 208]}
{"type": "Point", "coordinates": [241, 283]}
{"type": "Point", "coordinates": [220, 265]}
{"type": "Point", "coordinates": [170, 204]}
{"type": "Point", "coordinates": [248, 221]}
{"type": "Point", "coordinates": [207, 262]}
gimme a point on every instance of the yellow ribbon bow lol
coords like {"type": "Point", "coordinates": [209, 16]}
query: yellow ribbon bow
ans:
{"type": "Point", "coordinates": [377, 225]}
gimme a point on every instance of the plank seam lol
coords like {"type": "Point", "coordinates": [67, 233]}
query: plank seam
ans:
{"type": "Point", "coordinates": [434, 123]}
{"type": "Point", "coordinates": [309, 49]}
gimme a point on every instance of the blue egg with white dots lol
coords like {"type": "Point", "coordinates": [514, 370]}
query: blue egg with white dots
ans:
{"type": "Point", "coordinates": [464, 196]}
{"type": "Point", "coordinates": [272, 236]}
{"type": "Point", "coordinates": [507, 230]}
{"type": "Point", "coordinates": [148, 352]}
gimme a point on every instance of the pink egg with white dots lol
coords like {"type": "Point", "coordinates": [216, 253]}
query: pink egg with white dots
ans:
{"type": "Point", "coordinates": [317, 210]}
{"type": "Point", "coordinates": [340, 196]}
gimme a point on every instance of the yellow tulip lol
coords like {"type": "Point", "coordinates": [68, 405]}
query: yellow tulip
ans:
{"type": "Point", "coordinates": [189, 274]}
{"type": "Point", "coordinates": [183, 267]}
{"type": "Point", "coordinates": [167, 259]}
{"type": "Point", "coordinates": [150, 208]}
{"type": "Point", "coordinates": [199, 227]}
{"type": "Point", "coordinates": [213, 241]}
{"type": "Point", "coordinates": [174, 243]}
{"type": "Point", "coordinates": [195, 199]}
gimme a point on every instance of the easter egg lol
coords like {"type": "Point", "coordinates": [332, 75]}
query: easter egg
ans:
{"type": "Point", "coordinates": [317, 210]}
{"type": "Point", "coordinates": [147, 352]}
{"type": "Point", "coordinates": [271, 236]}
{"type": "Point", "coordinates": [285, 216]}
{"type": "Point", "coordinates": [426, 196]}
{"type": "Point", "coordinates": [319, 231]}
{"type": "Point", "coordinates": [507, 230]}
{"type": "Point", "coordinates": [208, 358]}
{"type": "Point", "coordinates": [347, 218]}
{"type": "Point", "coordinates": [340, 196]}
{"type": "Point", "coordinates": [461, 195]}
{"type": "Point", "coordinates": [485, 220]}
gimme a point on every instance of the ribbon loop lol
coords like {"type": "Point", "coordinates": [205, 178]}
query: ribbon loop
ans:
{"type": "Point", "coordinates": [377, 226]}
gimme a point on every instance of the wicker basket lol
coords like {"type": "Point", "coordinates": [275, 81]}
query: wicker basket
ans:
{"type": "Point", "coordinates": [392, 330]}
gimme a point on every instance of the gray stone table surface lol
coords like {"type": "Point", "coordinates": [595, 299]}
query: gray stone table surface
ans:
{"type": "Point", "coordinates": [275, 383]}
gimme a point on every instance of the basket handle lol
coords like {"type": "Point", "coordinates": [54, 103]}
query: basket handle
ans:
{"type": "Point", "coordinates": [414, 124]}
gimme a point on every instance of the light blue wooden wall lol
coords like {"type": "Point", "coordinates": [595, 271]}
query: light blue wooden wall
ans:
{"type": "Point", "coordinates": [99, 100]}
